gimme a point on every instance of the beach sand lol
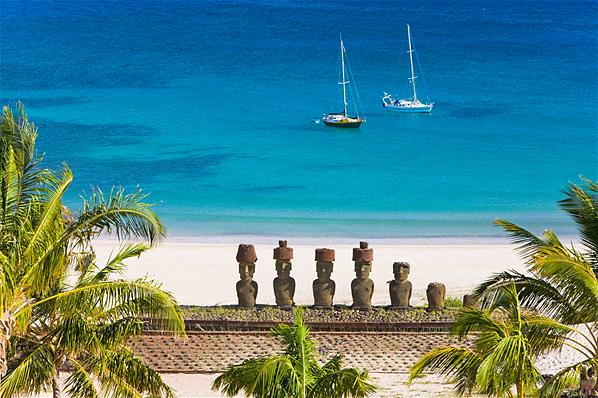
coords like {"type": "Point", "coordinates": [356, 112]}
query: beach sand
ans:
{"type": "Point", "coordinates": [390, 385]}
{"type": "Point", "coordinates": [206, 273]}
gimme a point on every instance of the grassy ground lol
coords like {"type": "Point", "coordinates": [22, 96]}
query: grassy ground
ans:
{"type": "Point", "coordinates": [336, 314]}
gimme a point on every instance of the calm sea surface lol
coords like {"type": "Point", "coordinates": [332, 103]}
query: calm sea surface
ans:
{"type": "Point", "coordinates": [209, 105]}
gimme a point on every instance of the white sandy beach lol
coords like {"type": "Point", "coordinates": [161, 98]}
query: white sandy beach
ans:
{"type": "Point", "coordinates": [206, 273]}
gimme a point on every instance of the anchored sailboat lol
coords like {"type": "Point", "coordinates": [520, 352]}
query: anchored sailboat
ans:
{"type": "Point", "coordinates": [412, 104]}
{"type": "Point", "coordinates": [343, 119]}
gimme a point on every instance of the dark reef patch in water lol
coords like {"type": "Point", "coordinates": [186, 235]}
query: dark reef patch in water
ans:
{"type": "Point", "coordinates": [44, 102]}
{"type": "Point", "coordinates": [80, 135]}
{"type": "Point", "coordinates": [79, 73]}
{"type": "Point", "coordinates": [185, 152]}
{"type": "Point", "coordinates": [141, 171]}
{"type": "Point", "coordinates": [129, 163]}
{"type": "Point", "coordinates": [274, 188]}
{"type": "Point", "coordinates": [476, 112]}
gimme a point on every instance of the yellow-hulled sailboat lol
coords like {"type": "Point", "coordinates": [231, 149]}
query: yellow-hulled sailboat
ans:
{"type": "Point", "coordinates": [343, 119]}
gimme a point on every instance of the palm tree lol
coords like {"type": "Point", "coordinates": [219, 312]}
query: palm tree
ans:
{"type": "Point", "coordinates": [294, 373]}
{"type": "Point", "coordinates": [22, 188]}
{"type": "Point", "coordinates": [42, 248]}
{"type": "Point", "coordinates": [506, 341]}
{"type": "Point", "coordinates": [90, 330]}
{"type": "Point", "coordinates": [561, 281]}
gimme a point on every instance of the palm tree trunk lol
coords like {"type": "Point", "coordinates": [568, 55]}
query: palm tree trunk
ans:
{"type": "Point", "coordinates": [7, 323]}
{"type": "Point", "coordinates": [56, 387]}
{"type": "Point", "coordinates": [519, 387]}
{"type": "Point", "coordinates": [56, 384]}
{"type": "Point", "coordinates": [3, 359]}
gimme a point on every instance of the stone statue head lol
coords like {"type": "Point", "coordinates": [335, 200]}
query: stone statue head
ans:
{"type": "Point", "coordinates": [435, 293]}
{"type": "Point", "coordinates": [283, 269]}
{"type": "Point", "coordinates": [362, 270]}
{"type": "Point", "coordinates": [324, 270]}
{"type": "Point", "coordinates": [246, 271]}
{"type": "Point", "coordinates": [324, 263]}
{"type": "Point", "coordinates": [401, 271]}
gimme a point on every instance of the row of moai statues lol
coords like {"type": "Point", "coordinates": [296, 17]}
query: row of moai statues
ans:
{"type": "Point", "coordinates": [362, 287]}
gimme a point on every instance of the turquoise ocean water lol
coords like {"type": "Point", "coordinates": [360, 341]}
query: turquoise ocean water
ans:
{"type": "Point", "coordinates": [208, 105]}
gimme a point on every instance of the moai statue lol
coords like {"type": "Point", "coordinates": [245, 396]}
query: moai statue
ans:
{"type": "Point", "coordinates": [246, 287]}
{"type": "Point", "coordinates": [435, 293]}
{"type": "Point", "coordinates": [324, 287]}
{"type": "Point", "coordinates": [400, 288]}
{"type": "Point", "coordinates": [284, 285]}
{"type": "Point", "coordinates": [470, 301]}
{"type": "Point", "coordinates": [362, 287]}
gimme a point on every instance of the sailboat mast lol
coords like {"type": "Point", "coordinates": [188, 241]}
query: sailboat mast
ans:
{"type": "Point", "coordinates": [411, 62]}
{"type": "Point", "coordinates": [343, 82]}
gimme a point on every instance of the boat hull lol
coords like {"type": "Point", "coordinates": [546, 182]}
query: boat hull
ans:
{"type": "Point", "coordinates": [405, 105]}
{"type": "Point", "coordinates": [342, 120]}
{"type": "Point", "coordinates": [405, 109]}
{"type": "Point", "coordinates": [347, 125]}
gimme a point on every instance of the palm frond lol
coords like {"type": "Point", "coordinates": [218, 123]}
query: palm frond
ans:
{"type": "Point", "coordinates": [459, 364]}
{"type": "Point", "coordinates": [115, 264]}
{"type": "Point", "coordinates": [22, 182]}
{"type": "Point", "coordinates": [342, 383]}
{"type": "Point", "coordinates": [534, 292]}
{"type": "Point", "coordinates": [529, 243]}
{"type": "Point", "coordinates": [31, 374]}
{"type": "Point", "coordinates": [297, 343]}
{"type": "Point", "coordinates": [80, 383]}
{"type": "Point", "coordinates": [509, 363]}
{"type": "Point", "coordinates": [51, 210]}
{"type": "Point", "coordinates": [61, 303]}
{"type": "Point", "coordinates": [118, 332]}
{"type": "Point", "coordinates": [333, 365]}
{"type": "Point", "coordinates": [293, 373]}
{"type": "Point", "coordinates": [544, 334]}
{"type": "Point", "coordinates": [575, 280]}
{"type": "Point", "coordinates": [125, 215]}
{"type": "Point", "coordinates": [567, 377]}
{"type": "Point", "coordinates": [163, 307]}
{"type": "Point", "coordinates": [259, 377]}
{"type": "Point", "coordinates": [83, 334]}
{"type": "Point", "coordinates": [121, 374]}
{"type": "Point", "coordinates": [74, 335]}
{"type": "Point", "coordinates": [473, 319]}
{"type": "Point", "coordinates": [581, 203]}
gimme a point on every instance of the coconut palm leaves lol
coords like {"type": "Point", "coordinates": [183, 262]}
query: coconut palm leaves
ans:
{"type": "Point", "coordinates": [295, 372]}
{"type": "Point", "coordinates": [87, 327]}
{"type": "Point", "coordinates": [57, 305]}
{"type": "Point", "coordinates": [561, 281]}
{"type": "Point", "coordinates": [24, 190]}
{"type": "Point", "coordinates": [506, 340]}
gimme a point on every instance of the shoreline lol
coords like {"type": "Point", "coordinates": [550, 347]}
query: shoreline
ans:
{"type": "Point", "coordinates": [266, 239]}
{"type": "Point", "coordinates": [336, 240]}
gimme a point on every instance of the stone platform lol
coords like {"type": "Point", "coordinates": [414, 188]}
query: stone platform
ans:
{"type": "Point", "coordinates": [203, 352]}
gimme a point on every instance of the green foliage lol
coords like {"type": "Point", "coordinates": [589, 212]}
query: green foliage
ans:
{"type": "Point", "coordinates": [56, 303]}
{"type": "Point", "coordinates": [506, 340]}
{"type": "Point", "coordinates": [295, 372]}
{"type": "Point", "coordinates": [338, 314]}
{"type": "Point", "coordinates": [453, 302]}
{"type": "Point", "coordinates": [561, 282]}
